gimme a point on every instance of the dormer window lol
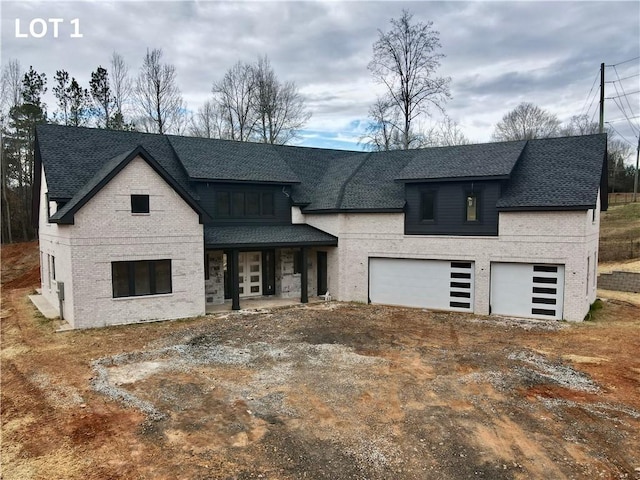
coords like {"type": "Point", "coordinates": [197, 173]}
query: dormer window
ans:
{"type": "Point", "coordinates": [139, 203]}
{"type": "Point", "coordinates": [427, 206]}
{"type": "Point", "coordinates": [471, 207]}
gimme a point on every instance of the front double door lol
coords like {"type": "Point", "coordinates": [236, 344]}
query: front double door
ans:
{"type": "Point", "coordinates": [256, 274]}
{"type": "Point", "coordinates": [250, 274]}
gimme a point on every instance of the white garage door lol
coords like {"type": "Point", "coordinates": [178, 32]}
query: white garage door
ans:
{"type": "Point", "coordinates": [437, 284]}
{"type": "Point", "coordinates": [527, 290]}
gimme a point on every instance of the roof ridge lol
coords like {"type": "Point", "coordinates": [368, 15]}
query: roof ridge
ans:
{"type": "Point", "coordinates": [346, 182]}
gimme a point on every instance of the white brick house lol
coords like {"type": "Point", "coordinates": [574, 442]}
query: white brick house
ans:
{"type": "Point", "coordinates": [136, 227]}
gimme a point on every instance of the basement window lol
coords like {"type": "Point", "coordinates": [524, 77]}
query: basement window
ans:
{"type": "Point", "coordinates": [145, 277]}
{"type": "Point", "coordinates": [139, 203]}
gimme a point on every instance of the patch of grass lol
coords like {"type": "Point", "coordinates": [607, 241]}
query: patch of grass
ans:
{"type": "Point", "coordinates": [593, 309]}
{"type": "Point", "coordinates": [620, 233]}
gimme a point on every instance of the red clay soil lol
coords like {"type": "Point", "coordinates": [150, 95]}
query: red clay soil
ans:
{"type": "Point", "coordinates": [328, 392]}
{"type": "Point", "coordinates": [20, 265]}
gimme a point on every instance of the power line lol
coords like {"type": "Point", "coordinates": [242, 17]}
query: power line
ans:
{"type": "Point", "coordinates": [624, 78]}
{"type": "Point", "coordinates": [618, 96]}
{"type": "Point", "coordinates": [622, 88]}
{"type": "Point", "coordinates": [623, 119]}
{"type": "Point", "coordinates": [620, 106]}
{"type": "Point", "coordinates": [625, 61]}
{"type": "Point", "coordinates": [622, 136]}
{"type": "Point", "coordinates": [588, 94]}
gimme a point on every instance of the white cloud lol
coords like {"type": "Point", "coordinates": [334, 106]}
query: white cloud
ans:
{"type": "Point", "coordinates": [497, 53]}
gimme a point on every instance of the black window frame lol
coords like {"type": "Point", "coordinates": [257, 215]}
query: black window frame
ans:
{"type": "Point", "coordinates": [423, 195]}
{"type": "Point", "coordinates": [477, 196]}
{"type": "Point", "coordinates": [220, 211]}
{"type": "Point", "coordinates": [139, 203]}
{"type": "Point", "coordinates": [130, 267]}
{"type": "Point", "coordinates": [245, 204]}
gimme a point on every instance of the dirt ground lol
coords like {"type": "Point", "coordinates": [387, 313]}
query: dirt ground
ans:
{"type": "Point", "coordinates": [327, 391]}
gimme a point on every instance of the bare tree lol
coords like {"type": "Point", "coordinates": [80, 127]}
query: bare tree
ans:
{"type": "Point", "coordinates": [208, 122]}
{"type": "Point", "coordinates": [579, 125]}
{"type": "Point", "coordinates": [10, 86]}
{"type": "Point", "coordinates": [382, 133]}
{"type": "Point", "coordinates": [121, 89]}
{"type": "Point", "coordinates": [10, 99]}
{"type": "Point", "coordinates": [447, 133]}
{"type": "Point", "coordinates": [158, 97]}
{"type": "Point", "coordinates": [279, 107]}
{"type": "Point", "coordinates": [405, 61]}
{"type": "Point", "coordinates": [525, 122]}
{"type": "Point", "coordinates": [234, 95]}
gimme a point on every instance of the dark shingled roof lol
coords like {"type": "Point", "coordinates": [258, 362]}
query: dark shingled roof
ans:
{"type": "Point", "coordinates": [225, 160]}
{"type": "Point", "coordinates": [557, 173]}
{"type": "Point", "coordinates": [560, 173]}
{"type": "Point", "coordinates": [463, 161]}
{"type": "Point", "coordinates": [240, 236]}
{"type": "Point", "coordinates": [73, 155]}
{"type": "Point", "coordinates": [108, 170]}
{"type": "Point", "coordinates": [82, 193]}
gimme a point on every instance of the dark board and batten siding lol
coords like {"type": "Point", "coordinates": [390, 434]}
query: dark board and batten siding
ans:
{"type": "Point", "coordinates": [450, 208]}
{"type": "Point", "coordinates": [281, 204]}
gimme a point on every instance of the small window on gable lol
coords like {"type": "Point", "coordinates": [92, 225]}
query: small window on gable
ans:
{"type": "Point", "coordinates": [427, 206]}
{"type": "Point", "coordinates": [471, 207]}
{"type": "Point", "coordinates": [139, 203]}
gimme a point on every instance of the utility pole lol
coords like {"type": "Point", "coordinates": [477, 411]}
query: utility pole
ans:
{"type": "Point", "coordinates": [635, 175]}
{"type": "Point", "coordinates": [602, 97]}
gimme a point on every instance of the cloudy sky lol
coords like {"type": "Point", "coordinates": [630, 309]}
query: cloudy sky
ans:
{"type": "Point", "coordinates": [498, 54]}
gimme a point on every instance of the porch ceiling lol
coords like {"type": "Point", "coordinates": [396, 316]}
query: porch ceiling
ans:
{"type": "Point", "coordinates": [263, 236]}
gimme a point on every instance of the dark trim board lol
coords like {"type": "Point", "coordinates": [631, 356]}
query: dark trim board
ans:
{"type": "Point", "coordinates": [355, 210]}
{"type": "Point", "coordinates": [452, 179]}
{"type": "Point", "coordinates": [248, 247]}
{"type": "Point", "coordinates": [242, 182]}
{"type": "Point", "coordinates": [545, 208]}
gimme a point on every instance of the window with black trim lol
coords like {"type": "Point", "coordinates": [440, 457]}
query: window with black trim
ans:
{"type": "Point", "coordinates": [244, 204]}
{"type": "Point", "coordinates": [53, 268]}
{"type": "Point", "coordinates": [143, 277]}
{"type": "Point", "coordinates": [427, 206]}
{"type": "Point", "coordinates": [471, 207]}
{"type": "Point", "coordinates": [139, 203]}
{"type": "Point", "coordinates": [223, 204]}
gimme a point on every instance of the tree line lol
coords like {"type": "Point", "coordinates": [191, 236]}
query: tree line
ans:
{"type": "Point", "coordinates": [405, 62]}
{"type": "Point", "coordinates": [250, 103]}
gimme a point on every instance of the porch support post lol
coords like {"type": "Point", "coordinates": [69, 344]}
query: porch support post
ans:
{"type": "Point", "coordinates": [304, 294]}
{"type": "Point", "coordinates": [233, 278]}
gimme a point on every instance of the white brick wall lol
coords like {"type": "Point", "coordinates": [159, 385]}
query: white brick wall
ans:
{"type": "Point", "coordinates": [542, 237]}
{"type": "Point", "coordinates": [105, 231]}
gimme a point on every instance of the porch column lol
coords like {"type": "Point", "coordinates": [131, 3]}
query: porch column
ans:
{"type": "Point", "coordinates": [304, 295]}
{"type": "Point", "coordinates": [233, 279]}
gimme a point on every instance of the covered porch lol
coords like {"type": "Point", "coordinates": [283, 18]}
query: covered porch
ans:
{"type": "Point", "coordinates": [281, 264]}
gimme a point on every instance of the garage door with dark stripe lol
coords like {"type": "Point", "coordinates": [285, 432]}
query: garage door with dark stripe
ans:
{"type": "Point", "coordinates": [436, 284]}
{"type": "Point", "coordinates": [527, 290]}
